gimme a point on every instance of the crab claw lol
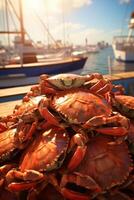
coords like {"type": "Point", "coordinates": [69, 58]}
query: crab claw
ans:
{"type": "Point", "coordinates": [43, 109]}
{"type": "Point", "coordinates": [80, 182]}
{"type": "Point", "coordinates": [123, 122]}
{"type": "Point", "coordinates": [29, 179]}
{"type": "Point", "coordinates": [80, 140]}
{"type": "Point", "coordinates": [77, 157]}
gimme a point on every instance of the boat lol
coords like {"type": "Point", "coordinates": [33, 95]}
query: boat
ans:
{"type": "Point", "coordinates": [123, 46]}
{"type": "Point", "coordinates": [25, 61]}
{"type": "Point", "coordinates": [92, 48]}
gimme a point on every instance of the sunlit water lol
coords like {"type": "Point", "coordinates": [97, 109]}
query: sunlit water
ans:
{"type": "Point", "coordinates": [102, 62]}
{"type": "Point", "coordinates": [98, 62]}
{"type": "Point", "coordinates": [105, 63]}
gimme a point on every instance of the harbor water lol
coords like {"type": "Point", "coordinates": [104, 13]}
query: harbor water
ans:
{"type": "Point", "coordinates": [105, 63]}
{"type": "Point", "coordinates": [102, 62]}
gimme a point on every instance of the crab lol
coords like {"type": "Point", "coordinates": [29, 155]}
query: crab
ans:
{"type": "Point", "coordinates": [45, 154]}
{"type": "Point", "coordinates": [53, 84]}
{"type": "Point", "coordinates": [84, 109]}
{"type": "Point", "coordinates": [106, 164]}
{"type": "Point", "coordinates": [6, 122]}
{"type": "Point", "coordinates": [7, 145]}
{"type": "Point", "coordinates": [124, 104]}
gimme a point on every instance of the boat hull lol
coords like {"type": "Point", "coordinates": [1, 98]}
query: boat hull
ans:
{"type": "Point", "coordinates": [36, 69]}
{"type": "Point", "coordinates": [123, 47]}
{"type": "Point", "coordinates": [124, 55]}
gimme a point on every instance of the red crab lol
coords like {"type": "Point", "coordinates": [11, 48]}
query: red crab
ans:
{"type": "Point", "coordinates": [79, 107]}
{"type": "Point", "coordinates": [106, 164]}
{"type": "Point", "coordinates": [53, 84]}
{"type": "Point", "coordinates": [10, 120]}
{"type": "Point", "coordinates": [46, 153]}
{"type": "Point", "coordinates": [7, 145]}
{"type": "Point", "coordinates": [124, 104]}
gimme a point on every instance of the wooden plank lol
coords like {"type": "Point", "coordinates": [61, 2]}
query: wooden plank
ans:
{"type": "Point", "coordinates": [14, 91]}
{"type": "Point", "coordinates": [24, 89]}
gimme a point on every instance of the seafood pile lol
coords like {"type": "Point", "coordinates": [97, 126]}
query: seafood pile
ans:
{"type": "Point", "coordinates": [72, 137]}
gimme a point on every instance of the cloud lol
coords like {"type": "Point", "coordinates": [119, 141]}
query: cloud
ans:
{"type": "Point", "coordinates": [76, 33]}
{"type": "Point", "coordinates": [59, 6]}
{"type": "Point", "coordinates": [79, 3]}
{"type": "Point", "coordinates": [124, 1]}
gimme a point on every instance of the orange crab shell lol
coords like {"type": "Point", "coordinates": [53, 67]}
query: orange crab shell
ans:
{"type": "Point", "coordinates": [105, 165]}
{"type": "Point", "coordinates": [78, 106]}
{"type": "Point", "coordinates": [44, 152]}
{"type": "Point", "coordinates": [7, 145]}
{"type": "Point", "coordinates": [125, 104]}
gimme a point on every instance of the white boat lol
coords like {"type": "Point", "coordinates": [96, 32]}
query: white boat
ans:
{"type": "Point", "coordinates": [92, 48]}
{"type": "Point", "coordinates": [25, 61]}
{"type": "Point", "coordinates": [123, 46]}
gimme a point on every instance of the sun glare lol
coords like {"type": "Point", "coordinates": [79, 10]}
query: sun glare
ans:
{"type": "Point", "coordinates": [33, 4]}
{"type": "Point", "coordinates": [49, 6]}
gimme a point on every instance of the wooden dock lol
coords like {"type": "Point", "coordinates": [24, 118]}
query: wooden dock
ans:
{"type": "Point", "coordinates": [126, 79]}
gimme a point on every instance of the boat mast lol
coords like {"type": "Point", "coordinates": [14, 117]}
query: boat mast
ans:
{"type": "Point", "coordinates": [21, 23]}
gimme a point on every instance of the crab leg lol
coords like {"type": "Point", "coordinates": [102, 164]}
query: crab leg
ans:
{"type": "Point", "coordinates": [17, 187]}
{"type": "Point", "coordinates": [30, 177]}
{"type": "Point", "coordinates": [77, 157]}
{"type": "Point", "coordinates": [43, 104]}
{"type": "Point", "coordinates": [116, 131]}
{"type": "Point", "coordinates": [97, 86]}
{"type": "Point", "coordinates": [105, 89]}
{"type": "Point", "coordinates": [80, 140]}
{"type": "Point", "coordinates": [101, 120]}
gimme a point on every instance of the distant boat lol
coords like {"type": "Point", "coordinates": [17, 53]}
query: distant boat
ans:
{"type": "Point", "coordinates": [123, 46]}
{"type": "Point", "coordinates": [26, 62]}
{"type": "Point", "coordinates": [92, 49]}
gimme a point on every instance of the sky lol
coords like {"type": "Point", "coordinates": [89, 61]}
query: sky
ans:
{"type": "Point", "coordinates": [72, 21]}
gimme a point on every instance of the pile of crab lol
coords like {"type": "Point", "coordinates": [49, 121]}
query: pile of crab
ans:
{"type": "Point", "coordinates": [72, 137]}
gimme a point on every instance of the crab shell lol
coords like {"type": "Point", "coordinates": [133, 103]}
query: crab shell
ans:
{"type": "Point", "coordinates": [78, 106]}
{"type": "Point", "coordinates": [25, 107]}
{"type": "Point", "coordinates": [125, 105]}
{"type": "Point", "coordinates": [7, 145]}
{"type": "Point", "coordinates": [105, 165]}
{"type": "Point", "coordinates": [65, 81]}
{"type": "Point", "coordinates": [47, 151]}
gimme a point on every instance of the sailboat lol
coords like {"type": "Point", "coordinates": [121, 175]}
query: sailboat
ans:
{"type": "Point", "coordinates": [123, 46]}
{"type": "Point", "coordinates": [27, 62]}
